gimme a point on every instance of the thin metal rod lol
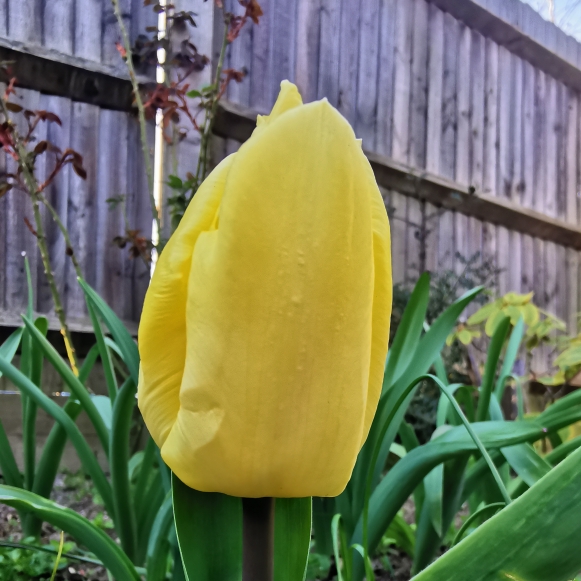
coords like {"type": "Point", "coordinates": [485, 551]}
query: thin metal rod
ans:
{"type": "Point", "coordinates": [258, 539]}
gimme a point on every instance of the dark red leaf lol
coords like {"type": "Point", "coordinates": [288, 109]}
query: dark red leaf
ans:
{"type": "Point", "coordinates": [80, 171]}
{"type": "Point", "coordinates": [41, 147]}
{"type": "Point", "coordinates": [14, 107]}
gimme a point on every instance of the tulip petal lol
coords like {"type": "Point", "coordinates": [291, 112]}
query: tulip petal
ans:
{"type": "Point", "coordinates": [284, 343]}
{"type": "Point", "coordinates": [382, 299]}
{"type": "Point", "coordinates": [162, 329]}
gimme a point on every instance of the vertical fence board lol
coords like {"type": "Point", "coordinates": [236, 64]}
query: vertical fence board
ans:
{"type": "Point", "coordinates": [450, 94]}
{"type": "Point", "coordinates": [240, 58]}
{"type": "Point", "coordinates": [349, 59]}
{"type": "Point", "coordinates": [462, 173]}
{"type": "Point", "coordinates": [476, 120]}
{"type": "Point", "coordinates": [417, 146]}
{"type": "Point", "coordinates": [58, 25]}
{"type": "Point", "coordinates": [284, 24]}
{"type": "Point", "coordinates": [329, 51]}
{"type": "Point", "coordinates": [88, 25]}
{"type": "Point", "coordinates": [402, 79]}
{"type": "Point", "coordinates": [415, 263]}
{"type": "Point", "coordinates": [3, 238]}
{"type": "Point", "coordinates": [491, 112]}
{"type": "Point", "coordinates": [25, 20]}
{"type": "Point", "coordinates": [81, 205]}
{"type": "Point", "coordinates": [398, 243]}
{"type": "Point", "coordinates": [435, 88]}
{"type": "Point", "coordinates": [528, 136]}
{"type": "Point", "coordinates": [432, 219]}
{"type": "Point", "coordinates": [366, 118]}
{"type": "Point", "coordinates": [307, 60]}
{"type": "Point", "coordinates": [385, 88]}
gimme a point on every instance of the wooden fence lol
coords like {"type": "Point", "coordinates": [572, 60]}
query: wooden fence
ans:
{"type": "Point", "coordinates": [66, 49]}
{"type": "Point", "coordinates": [469, 111]}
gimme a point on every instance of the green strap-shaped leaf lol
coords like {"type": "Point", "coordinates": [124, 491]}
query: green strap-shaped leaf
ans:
{"type": "Point", "coordinates": [108, 369]}
{"type": "Point", "coordinates": [121, 335]}
{"type": "Point", "coordinates": [509, 357]}
{"type": "Point", "coordinates": [209, 532]}
{"type": "Point", "coordinates": [86, 455]}
{"type": "Point", "coordinates": [158, 547]}
{"type": "Point", "coordinates": [428, 348]}
{"type": "Point", "coordinates": [399, 483]}
{"type": "Point", "coordinates": [292, 538]}
{"type": "Point", "coordinates": [492, 357]}
{"type": "Point", "coordinates": [7, 461]}
{"type": "Point", "coordinates": [526, 462]}
{"type": "Point", "coordinates": [119, 461]}
{"type": "Point", "coordinates": [35, 365]}
{"type": "Point", "coordinates": [48, 464]}
{"type": "Point", "coordinates": [408, 332]}
{"type": "Point", "coordinates": [77, 526]}
{"type": "Point", "coordinates": [535, 538]}
{"type": "Point", "coordinates": [76, 387]}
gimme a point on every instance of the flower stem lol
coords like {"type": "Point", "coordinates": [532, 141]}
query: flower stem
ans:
{"type": "Point", "coordinates": [128, 57]}
{"type": "Point", "coordinates": [32, 186]}
{"type": "Point", "coordinates": [258, 539]}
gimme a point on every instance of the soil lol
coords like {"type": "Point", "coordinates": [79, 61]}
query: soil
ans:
{"type": "Point", "coordinates": [74, 492]}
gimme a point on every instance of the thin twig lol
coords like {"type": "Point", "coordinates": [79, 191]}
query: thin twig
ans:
{"type": "Point", "coordinates": [128, 57]}
{"type": "Point", "coordinates": [32, 186]}
{"type": "Point", "coordinates": [64, 232]}
{"type": "Point", "coordinates": [210, 114]}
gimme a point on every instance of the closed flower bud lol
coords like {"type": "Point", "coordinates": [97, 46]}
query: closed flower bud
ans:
{"type": "Point", "coordinates": [264, 330]}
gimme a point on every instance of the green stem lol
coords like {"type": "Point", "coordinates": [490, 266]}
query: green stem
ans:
{"type": "Point", "coordinates": [64, 232]}
{"type": "Point", "coordinates": [377, 449]}
{"type": "Point", "coordinates": [140, 109]}
{"type": "Point", "coordinates": [210, 113]}
{"type": "Point", "coordinates": [32, 186]}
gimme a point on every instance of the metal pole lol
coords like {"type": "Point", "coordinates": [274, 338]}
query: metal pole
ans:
{"type": "Point", "coordinates": [258, 539]}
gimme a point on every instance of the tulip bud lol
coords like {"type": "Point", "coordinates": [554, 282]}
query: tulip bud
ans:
{"type": "Point", "coordinates": [265, 328]}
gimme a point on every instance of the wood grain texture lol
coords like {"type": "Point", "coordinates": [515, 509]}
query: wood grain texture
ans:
{"type": "Point", "coordinates": [329, 52]}
{"type": "Point", "coordinates": [307, 47]}
{"type": "Point", "coordinates": [57, 194]}
{"type": "Point", "coordinates": [402, 80]}
{"type": "Point", "coordinates": [366, 116]}
{"type": "Point", "coordinates": [385, 88]}
{"type": "Point", "coordinates": [435, 88]}
{"type": "Point", "coordinates": [81, 209]}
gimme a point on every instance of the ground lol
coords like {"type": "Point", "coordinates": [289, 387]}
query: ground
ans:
{"type": "Point", "coordinates": [71, 490]}
{"type": "Point", "coordinates": [76, 492]}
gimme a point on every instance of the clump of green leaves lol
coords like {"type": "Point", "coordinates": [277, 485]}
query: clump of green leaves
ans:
{"type": "Point", "coordinates": [23, 564]}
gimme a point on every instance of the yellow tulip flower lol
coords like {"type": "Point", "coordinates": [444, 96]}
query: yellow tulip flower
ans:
{"type": "Point", "coordinates": [264, 330]}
